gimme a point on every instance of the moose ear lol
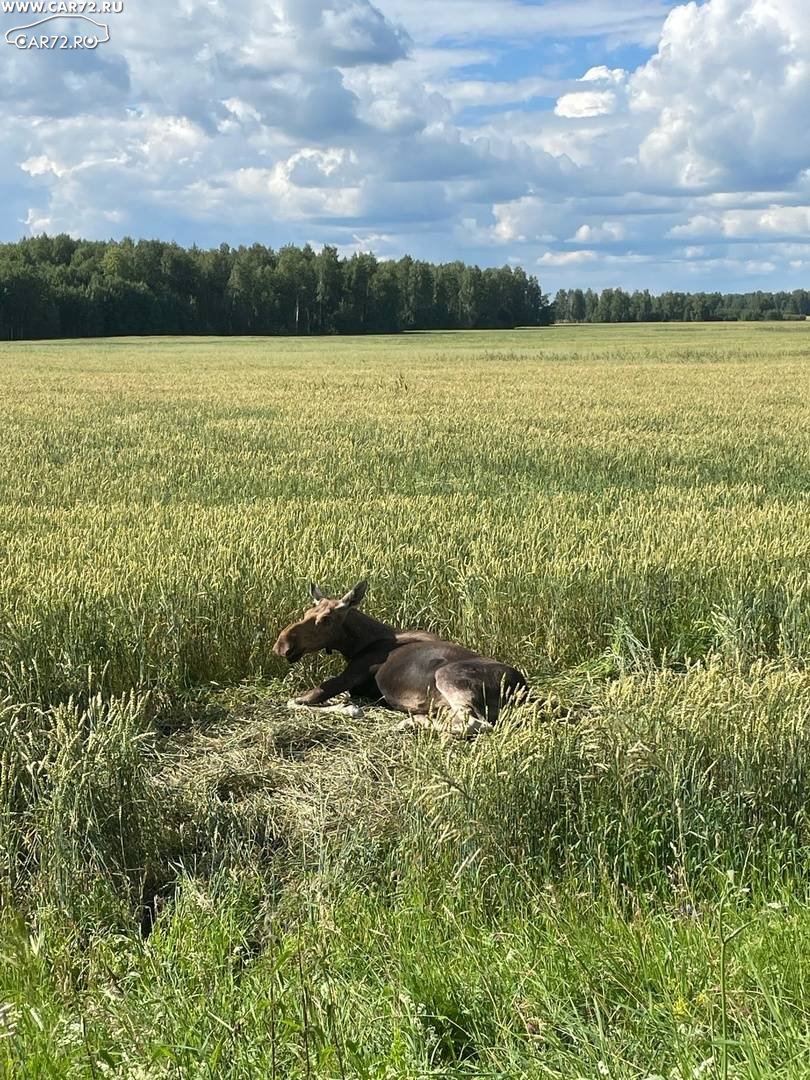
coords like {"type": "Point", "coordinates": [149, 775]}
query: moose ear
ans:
{"type": "Point", "coordinates": [315, 592]}
{"type": "Point", "coordinates": [355, 595]}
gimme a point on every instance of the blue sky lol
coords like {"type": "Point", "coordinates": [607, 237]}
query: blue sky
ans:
{"type": "Point", "coordinates": [595, 142]}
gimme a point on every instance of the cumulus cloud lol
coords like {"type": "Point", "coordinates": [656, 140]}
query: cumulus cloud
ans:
{"type": "Point", "coordinates": [408, 127]}
{"type": "Point", "coordinates": [603, 74]}
{"type": "Point", "coordinates": [292, 198]}
{"type": "Point", "coordinates": [735, 224]}
{"type": "Point", "coordinates": [466, 92]}
{"type": "Point", "coordinates": [566, 258]}
{"type": "Point", "coordinates": [723, 93]}
{"type": "Point", "coordinates": [386, 99]}
{"type": "Point", "coordinates": [346, 33]}
{"type": "Point", "coordinates": [586, 103]}
{"type": "Point", "coordinates": [707, 134]}
{"type": "Point", "coordinates": [39, 166]}
{"type": "Point", "coordinates": [608, 232]}
{"type": "Point", "coordinates": [532, 219]}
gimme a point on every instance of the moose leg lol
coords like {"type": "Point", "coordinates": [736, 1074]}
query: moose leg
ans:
{"type": "Point", "coordinates": [474, 693]}
{"type": "Point", "coordinates": [347, 708]}
{"type": "Point", "coordinates": [417, 722]}
{"type": "Point", "coordinates": [354, 676]}
{"type": "Point", "coordinates": [319, 695]}
{"type": "Point", "coordinates": [458, 723]}
{"type": "Point", "coordinates": [317, 698]}
{"type": "Point", "coordinates": [457, 706]}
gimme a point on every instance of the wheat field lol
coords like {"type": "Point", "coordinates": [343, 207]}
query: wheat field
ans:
{"type": "Point", "coordinates": [195, 882]}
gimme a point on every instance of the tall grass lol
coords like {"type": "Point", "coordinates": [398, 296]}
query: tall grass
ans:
{"type": "Point", "coordinates": [194, 882]}
{"type": "Point", "coordinates": [164, 502]}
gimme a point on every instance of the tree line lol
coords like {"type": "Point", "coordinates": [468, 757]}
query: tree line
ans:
{"type": "Point", "coordinates": [60, 287]}
{"type": "Point", "coordinates": [618, 306]}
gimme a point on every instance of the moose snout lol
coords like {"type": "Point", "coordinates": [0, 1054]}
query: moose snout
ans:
{"type": "Point", "coordinates": [286, 648]}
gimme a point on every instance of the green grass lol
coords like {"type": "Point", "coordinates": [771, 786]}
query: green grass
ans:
{"type": "Point", "coordinates": [196, 883]}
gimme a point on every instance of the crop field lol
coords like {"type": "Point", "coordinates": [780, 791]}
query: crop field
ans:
{"type": "Point", "coordinates": [196, 882]}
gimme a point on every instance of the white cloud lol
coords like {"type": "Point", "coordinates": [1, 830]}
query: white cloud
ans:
{"type": "Point", "coordinates": [636, 21]}
{"type": "Point", "coordinates": [307, 185]}
{"type": "Point", "coordinates": [172, 138]}
{"type": "Point", "coordinates": [466, 92]}
{"type": "Point", "coordinates": [604, 74]}
{"type": "Point", "coordinates": [724, 92]}
{"type": "Point", "coordinates": [736, 224]}
{"type": "Point", "coordinates": [765, 266]}
{"type": "Point", "coordinates": [389, 100]}
{"type": "Point", "coordinates": [532, 219]}
{"type": "Point", "coordinates": [382, 244]}
{"type": "Point", "coordinates": [566, 258]}
{"type": "Point", "coordinates": [608, 232]}
{"type": "Point", "coordinates": [586, 103]}
{"type": "Point", "coordinates": [311, 167]}
{"type": "Point", "coordinates": [38, 221]}
{"type": "Point", "coordinates": [397, 124]}
{"type": "Point", "coordinates": [350, 33]}
{"type": "Point", "coordinates": [242, 110]}
{"type": "Point", "coordinates": [40, 165]}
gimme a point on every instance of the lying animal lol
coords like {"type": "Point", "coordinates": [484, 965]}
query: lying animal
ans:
{"type": "Point", "coordinates": [412, 671]}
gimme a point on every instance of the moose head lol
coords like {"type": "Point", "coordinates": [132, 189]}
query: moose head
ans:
{"type": "Point", "coordinates": [321, 627]}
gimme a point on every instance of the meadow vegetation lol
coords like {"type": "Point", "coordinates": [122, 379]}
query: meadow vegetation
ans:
{"type": "Point", "coordinates": [195, 882]}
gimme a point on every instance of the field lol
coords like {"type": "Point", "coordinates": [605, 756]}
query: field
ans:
{"type": "Point", "coordinates": [197, 883]}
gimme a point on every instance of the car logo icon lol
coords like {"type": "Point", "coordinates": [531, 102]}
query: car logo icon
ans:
{"type": "Point", "coordinates": [17, 35]}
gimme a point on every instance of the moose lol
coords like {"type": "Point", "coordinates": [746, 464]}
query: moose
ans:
{"type": "Point", "coordinates": [411, 671]}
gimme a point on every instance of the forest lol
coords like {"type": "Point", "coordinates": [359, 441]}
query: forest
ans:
{"type": "Point", "coordinates": [61, 287]}
{"type": "Point", "coordinates": [618, 306]}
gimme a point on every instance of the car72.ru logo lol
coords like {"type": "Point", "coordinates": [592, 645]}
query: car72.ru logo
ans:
{"type": "Point", "coordinates": [36, 36]}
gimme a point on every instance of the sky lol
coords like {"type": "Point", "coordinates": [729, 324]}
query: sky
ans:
{"type": "Point", "coordinates": [596, 143]}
